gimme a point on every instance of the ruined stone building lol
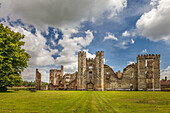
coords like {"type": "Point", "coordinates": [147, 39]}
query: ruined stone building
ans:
{"type": "Point", "coordinates": [56, 76]}
{"type": "Point", "coordinates": [38, 80]}
{"type": "Point", "coordinates": [165, 84]}
{"type": "Point", "coordinates": [93, 74]}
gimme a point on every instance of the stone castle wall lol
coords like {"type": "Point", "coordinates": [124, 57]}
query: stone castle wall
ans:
{"type": "Point", "coordinates": [93, 74]}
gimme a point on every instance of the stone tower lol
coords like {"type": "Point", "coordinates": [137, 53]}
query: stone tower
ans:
{"type": "Point", "coordinates": [148, 67]}
{"type": "Point", "coordinates": [81, 83]}
{"type": "Point", "coordinates": [99, 71]}
{"type": "Point", "coordinates": [38, 80]}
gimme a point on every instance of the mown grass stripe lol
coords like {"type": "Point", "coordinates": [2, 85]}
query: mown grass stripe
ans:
{"type": "Point", "coordinates": [85, 101]}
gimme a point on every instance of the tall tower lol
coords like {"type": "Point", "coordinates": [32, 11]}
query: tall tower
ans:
{"type": "Point", "coordinates": [148, 67]}
{"type": "Point", "coordinates": [81, 83]}
{"type": "Point", "coordinates": [99, 74]}
{"type": "Point", "coordinates": [38, 80]}
{"type": "Point", "coordinates": [62, 71]}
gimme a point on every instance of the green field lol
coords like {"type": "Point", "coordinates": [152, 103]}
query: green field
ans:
{"type": "Point", "coordinates": [85, 101]}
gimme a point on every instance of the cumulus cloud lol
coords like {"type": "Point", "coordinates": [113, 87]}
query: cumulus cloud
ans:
{"type": "Point", "coordinates": [132, 41]}
{"type": "Point", "coordinates": [126, 34]}
{"type": "Point", "coordinates": [110, 36]}
{"type": "Point", "coordinates": [68, 56]}
{"type": "Point", "coordinates": [144, 51]}
{"type": "Point", "coordinates": [154, 2]}
{"type": "Point", "coordinates": [40, 53]}
{"type": "Point", "coordinates": [88, 54]}
{"type": "Point", "coordinates": [29, 73]}
{"type": "Point", "coordinates": [43, 13]}
{"type": "Point", "coordinates": [165, 72]}
{"type": "Point", "coordinates": [36, 46]}
{"type": "Point", "coordinates": [155, 24]}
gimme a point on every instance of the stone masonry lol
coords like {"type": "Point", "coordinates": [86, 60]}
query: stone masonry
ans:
{"type": "Point", "coordinates": [38, 80]}
{"type": "Point", "coordinates": [93, 74]}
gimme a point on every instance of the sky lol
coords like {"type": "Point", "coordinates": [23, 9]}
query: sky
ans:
{"type": "Point", "coordinates": [56, 30]}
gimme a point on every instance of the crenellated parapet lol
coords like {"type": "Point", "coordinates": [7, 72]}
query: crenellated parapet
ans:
{"type": "Point", "coordinates": [89, 59]}
{"type": "Point", "coordinates": [81, 53]}
{"type": "Point", "coordinates": [99, 53]}
{"type": "Point", "coordinates": [148, 56]}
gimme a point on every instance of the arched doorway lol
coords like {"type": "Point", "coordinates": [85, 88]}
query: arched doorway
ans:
{"type": "Point", "coordinates": [90, 86]}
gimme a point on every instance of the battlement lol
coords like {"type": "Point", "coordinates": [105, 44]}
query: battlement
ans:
{"type": "Point", "coordinates": [99, 53]}
{"type": "Point", "coordinates": [82, 53]}
{"type": "Point", "coordinates": [148, 56]}
{"type": "Point", "coordinates": [89, 59]}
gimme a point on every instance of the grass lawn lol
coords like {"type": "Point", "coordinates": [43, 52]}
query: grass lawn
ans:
{"type": "Point", "coordinates": [85, 101]}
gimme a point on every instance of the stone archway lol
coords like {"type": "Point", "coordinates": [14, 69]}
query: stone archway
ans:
{"type": "Point", "coordinates": [90, 86]}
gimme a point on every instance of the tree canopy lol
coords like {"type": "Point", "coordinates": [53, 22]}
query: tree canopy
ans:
{"type": "Point", "coordinates": [13, 58]}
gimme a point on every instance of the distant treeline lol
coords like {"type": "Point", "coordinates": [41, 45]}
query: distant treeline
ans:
{"type": "Point", "coordinates": [32, 84]}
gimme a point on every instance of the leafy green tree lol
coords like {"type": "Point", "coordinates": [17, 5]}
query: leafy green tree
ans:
{"type": "Point", "coordinates": [44, 83]}
{"type": "Point", "coordinates": [13, 59]}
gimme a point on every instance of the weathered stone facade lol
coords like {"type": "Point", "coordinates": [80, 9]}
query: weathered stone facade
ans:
{"type": "Point", "coordinates": [93, 74]}
{"type": "Point", "coordinates": [38, 80]}
{"type": "Point", "coordinates": [56, 76]}
{"type": "Point", "coordinates": [90, 72]}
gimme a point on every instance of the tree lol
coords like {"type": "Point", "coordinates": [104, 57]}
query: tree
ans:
{"type": "Point", "coordinates": [13, 59]}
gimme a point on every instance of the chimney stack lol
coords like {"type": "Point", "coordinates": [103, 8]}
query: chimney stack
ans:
{"type": "Point", "coordinates": [165, 78]}
{"type": "Point", "coordinates": [62, 70]}
{"type": "Point", "coordinates": [61, 67]}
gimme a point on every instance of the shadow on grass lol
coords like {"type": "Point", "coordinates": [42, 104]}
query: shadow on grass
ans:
{"type": "Point", "coordinates": [8, 91]}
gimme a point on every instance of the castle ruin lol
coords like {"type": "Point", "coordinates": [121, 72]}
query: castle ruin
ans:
{"type": "Point", "coordinates": [93, 74]}
{"type": "Point", "coordinates": [38, 80]}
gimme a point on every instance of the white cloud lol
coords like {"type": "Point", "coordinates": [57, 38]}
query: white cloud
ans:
{"type": "Point", "coordinates": [132, 41]}
{"type": "Point", "coordinates": [144, 51]}
{"type": "Point", "coordinates": [126, 34]}
{"type": "Point", "coordinates": [68, 56]}
{"type": "Point", "coordinates": [89, 55]}
{"type": "Point", "coordinates": [155, 24]}
{"type": "Point", "coordinates": [123, 44]}
{"type": "Point", "coordinates": [154, 2]}
{"type": "Point", "coordinates": [36, 46]}
{"type": "Point", "coordinates": [110, 36]}
{"type": "Point", "coordinates": [59, 13]}
{"type": "Point", "coordinates": [130, 62]}
{"type": "Point", "coordinates": [29, 73]}
{"type": "Point", "coordinates": [165, 72]}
